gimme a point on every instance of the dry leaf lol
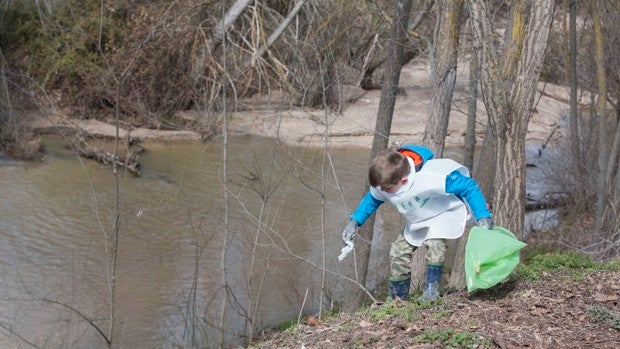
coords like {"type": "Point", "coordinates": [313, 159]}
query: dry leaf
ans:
{"type": "Point", "coordinates": [599, 297]}
{"type": "Point", "coordinates": [538, 310]}
{"type": "Point", "coordinates": [398, 303]}
{"type": "Point", "coordinates": [313, 321]}
{"type": "Point", "coordinates": [365, 324]}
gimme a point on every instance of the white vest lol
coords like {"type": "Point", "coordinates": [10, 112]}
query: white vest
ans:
{"type": "Point", "coordinates": [429, 211]}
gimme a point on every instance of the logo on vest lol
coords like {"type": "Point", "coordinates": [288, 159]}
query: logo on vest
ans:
{"type": "Point", "coordinates": [409, 205]}
{"type": "Point", "coordinates": [421, 203]}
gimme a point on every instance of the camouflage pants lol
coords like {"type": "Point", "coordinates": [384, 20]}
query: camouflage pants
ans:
{"type": "Point", "coordinates": [401, 254]}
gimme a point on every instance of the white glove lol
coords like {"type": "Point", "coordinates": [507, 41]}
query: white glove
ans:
{"type": "Point", "coordinates": [348, 233]}
{"type": "Point", "coordinates": [485, 222]}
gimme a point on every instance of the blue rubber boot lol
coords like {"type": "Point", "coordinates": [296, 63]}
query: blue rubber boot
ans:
{"type": "Point", "coordinates": [433, 280]}
{"type": "Point", "coordinates": [399, 288]}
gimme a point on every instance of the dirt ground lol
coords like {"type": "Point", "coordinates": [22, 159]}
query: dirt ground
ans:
{"type": "Point", "coordinates": [555, 311]}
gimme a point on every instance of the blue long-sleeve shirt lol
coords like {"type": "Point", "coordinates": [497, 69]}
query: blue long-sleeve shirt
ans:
{"type": "Point", "coordinates": [464, 187]}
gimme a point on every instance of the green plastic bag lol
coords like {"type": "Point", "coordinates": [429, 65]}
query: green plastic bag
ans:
{"type": "Point", "coordinates": [490, 256]}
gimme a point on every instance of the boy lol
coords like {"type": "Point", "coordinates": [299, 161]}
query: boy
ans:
{"type": "Point", "coordinates": [431, 195]}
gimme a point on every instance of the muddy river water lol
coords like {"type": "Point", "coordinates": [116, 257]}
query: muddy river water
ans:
{"type": "Point", "coordinates": [181, 239]}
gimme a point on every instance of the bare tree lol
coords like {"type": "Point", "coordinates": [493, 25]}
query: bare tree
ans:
{"type": "Point", "coordinates": [444, 65]}
{"type": "Point", "coordinates": [225, 242]}
{"type": "Point", "coordinates": [510, 107]}
{"type": "Point", "coordinates": [578, 170]}
{"type": "Point", "coordinates": [382, 131]}
{"type": "Point", "coordinates": [603, 208]}
{"type": "Point", "coordinates": [276, 34]}
{"type": "Point", "coordinates": [457, 276]}
{"type": "Point", "coordinates": [507, 61]}
{"type": "Point", "coordinates": [445, 54]}
{"type": "Point", "coordinates": [205, 51]}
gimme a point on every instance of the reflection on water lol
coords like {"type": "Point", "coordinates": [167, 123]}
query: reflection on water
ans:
{"type": "Point", "coordinates": [175, 230]}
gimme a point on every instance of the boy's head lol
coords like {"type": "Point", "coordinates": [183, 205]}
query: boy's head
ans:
{"type": "Point", "coordinates": [388, 170]}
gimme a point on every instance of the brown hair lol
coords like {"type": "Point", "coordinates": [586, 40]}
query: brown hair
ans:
{"type": "Point", "coordinates": [387, 168]}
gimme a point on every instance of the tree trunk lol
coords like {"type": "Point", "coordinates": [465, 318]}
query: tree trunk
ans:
{"type": "Point", "coordinates": [444, 59]}
{"type": "Point", "coordinates": [494, 97]}
{"type": "Point", "coordinates": [226, 217]}
{"type": "Point", "coordinates": [511, 51]}
{"type": "Point", "coordinates": [380, 57]}
{"type": "Point", "coordinates": [381, 137]}
{"type": "Point", "coordinates": [578, 170]}
{"type": "Point", "coordinates": [445, 55]}
{"type": "Point", "coordinates": [509, 110]}
{"type": "Point", "coordinates": [456, 280]}
{"type": "Point", "coordinates": [470, 133]}
{"type": "Point", "coordinates": [511, 154]}
{"type": "Point", "coordinates": [612, 167]}
{"type": "Point", "coordinates": [484, 165]}
{"type": "Point", "coordinates": [601, 114]}
{"type": "Point", "coordinates": [566, 38]}
{"type": "Point", "coordinates": [421, 13]}
{"type": "Point", "coordinates": [612, 179]}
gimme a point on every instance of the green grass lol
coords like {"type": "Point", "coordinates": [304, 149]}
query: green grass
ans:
{"type": "Point", "coordinates": [536, 263]}
{"type": "Point", "coordinates": [286, 325]}
{"type": "Point", "coordinates": [408, 311]}
{"type": "Point", "coordinates": [613, 265]}
{"type": "Point", "coordinates": [452, 339]}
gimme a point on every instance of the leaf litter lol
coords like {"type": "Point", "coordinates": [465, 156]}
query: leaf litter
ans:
{"type": "Point", "coordinates": [556, 311]}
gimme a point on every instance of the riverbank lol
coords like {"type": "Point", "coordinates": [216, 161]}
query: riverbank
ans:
{"type": "Point", "coordinates": [274, 116]}
{"type": "Point", "coordinates": [543, 313]}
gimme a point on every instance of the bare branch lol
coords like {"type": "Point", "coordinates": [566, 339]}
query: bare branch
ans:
{"type": "Point", "coordinates": [276, 34]}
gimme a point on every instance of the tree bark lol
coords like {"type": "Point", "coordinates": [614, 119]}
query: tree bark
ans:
{"type": "Point", "coordinates": [566, 38]}
{"type": "Point", "coordinates": [612, 174]}
{"type": "Point", "coordinates": [601, 114]}
{"type": "Point", "coordinates": [444, 59]}
{"type": "Point", "coordinates": [507, 61]}
{"type": "Point", "coordinates": [456, 280]}
{"type": "Point", "coordinates": [470, 133]}
{"type": "Point", "coordinates": [578, 170]}
{"type": "Point", "coordinates": [511, 154]}
{"type": "Point", "coordinates": [422, 11]}
{"type": "Point", "coordinates": [508, 103]}
{"type": "Point", "coordinates": [381, 136]}
{"type": "Point", "coordinates": [445, 55]}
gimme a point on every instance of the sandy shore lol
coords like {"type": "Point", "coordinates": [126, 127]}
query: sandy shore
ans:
{"type": "Point", "coordinates": [273, 116]}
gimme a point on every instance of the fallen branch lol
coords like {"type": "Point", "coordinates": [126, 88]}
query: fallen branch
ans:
{"type": "Point", "coordinates": [129, 160]}
{"type": "Point", "coordinates": [546, 202]}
